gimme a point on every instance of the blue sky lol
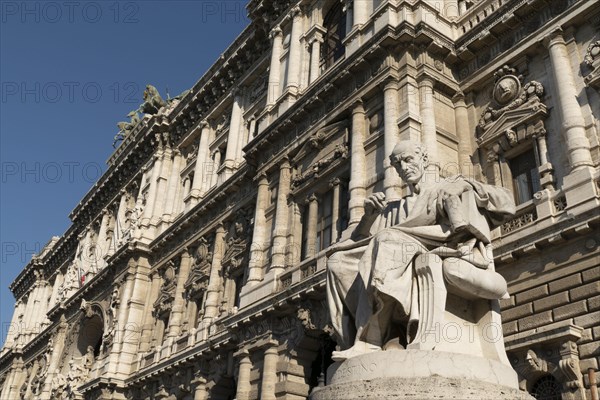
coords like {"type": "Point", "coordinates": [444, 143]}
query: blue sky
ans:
{"type": "Point", "coordinates": [69, 71]}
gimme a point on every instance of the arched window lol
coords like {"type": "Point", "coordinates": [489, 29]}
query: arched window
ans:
{"type": "Point", "coordinates": [546, 388]}
{"type": "Point", "coordinates": [335, 24]}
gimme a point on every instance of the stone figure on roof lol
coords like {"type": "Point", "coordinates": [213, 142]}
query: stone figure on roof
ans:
{"type": "Point", "coordinates": [152, 101]}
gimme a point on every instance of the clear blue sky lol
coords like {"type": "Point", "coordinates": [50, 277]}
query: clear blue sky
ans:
{"type": "Point", "coordinates": [69, 71]}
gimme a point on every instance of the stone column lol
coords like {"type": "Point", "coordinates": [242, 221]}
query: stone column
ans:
{"type": "Point", "coordinates": [243, 381]}
{"type": "Point", "coordinates": [462, 6]}
{"type": "Point", "coordinates": [209, 170]}
{"type": "Point", "coordinates": [175, 320]}
{"type": "Point", "coordinates": [251, 129]}
{"type": "Point", "coordinates": [148, 208]}
{"type": "Point", "coordinates": [170, 205]}
{"type": "Point", "coordinates": [216, 165]}
{"type": "Point", "coordinates": [120, 329]}
{"type": "Point", "coordinates": [257, 249]}
{"type": "Point", "coordinates": [16, 380]}
{"type": "Point", "coordinates": [315, 57]}
{"type": "Point", "coordinates": [269, 372]}
{"type": "Point", "coordinates": [211, 307]}
{"type": "Point", "coordinates": [335, 209]}
{"type": "Point", "coordinates": [161, 184]}
{"type": "Point", "coordinates": [148, 324]}
{"type": "Point", "coordinates": [102, 244]}
{"type": "Point", "coordinates": [391, 181]}
{"type": "Point", "coordinates": [187, 183]}
{"type": "Point", "coordinates": [311, 230]}
{"type": "Point", "coordinates": [281, 228]}
{"type": "Point", "coordinates": [293, 73]}
{"type": "Point", "coordinates": [451, 8]}
{"type": "Point", "coordinates": [231, 153]}
{"type": "Point", "coordinates": [349, 8]}
{"type": "Point", "coordinates": [360, 12]}
{"type": "Point", "coordinates": [199, 383]}
{"type": "Point", "coordinates": [358, 169]}
{"type": "Point", "coordinates": [32, 309]}
{"type": "Point", "coordinates": [573, 123]}
{"type": "Point", "coordinates": [294, 239]}
{"type": "Point", "coordinates": [545, 168]}
{"type": "Point", "coordinates": [120, 226]}
{"type": "Point", "coordinates": [274, 89]}
{"type": "Point", "coordinates": [135, 306]}
{"type": "Point", "coordinates": [201, 159]}
{"type": "Point", "coordinates": [428, 127]}
{"type": "Point", "coordinates": [463, 132]}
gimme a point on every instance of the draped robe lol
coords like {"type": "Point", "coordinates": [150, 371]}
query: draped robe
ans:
{"type": "Point", "coordinates": [370, 281]}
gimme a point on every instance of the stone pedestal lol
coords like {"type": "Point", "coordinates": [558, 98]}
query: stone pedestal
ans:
{"type": "Point", "coordinates": [420, 375]}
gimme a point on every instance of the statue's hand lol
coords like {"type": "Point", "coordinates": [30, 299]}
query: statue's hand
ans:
{"type": "Point", "coordinates": [375, 203]}
{"type": "Point", "coordinates": [446, 190]}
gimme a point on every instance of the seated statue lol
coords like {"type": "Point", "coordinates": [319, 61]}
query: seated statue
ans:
{"type": "Point", "coordinates": [388, 285]}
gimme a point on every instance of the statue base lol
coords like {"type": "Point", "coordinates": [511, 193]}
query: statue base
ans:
{"type": "Point", "coordinates": [420, 375]}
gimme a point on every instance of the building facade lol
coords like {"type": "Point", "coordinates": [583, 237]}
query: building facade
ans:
{"type": "Point", "coordinates": [195, 267]}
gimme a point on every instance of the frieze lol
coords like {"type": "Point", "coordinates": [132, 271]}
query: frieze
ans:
{"type": "Point", "coordinates": [489, 46]}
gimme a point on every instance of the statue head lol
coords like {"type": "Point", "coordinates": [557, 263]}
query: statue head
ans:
{"type": "Point", "coordinates": [410, 159]}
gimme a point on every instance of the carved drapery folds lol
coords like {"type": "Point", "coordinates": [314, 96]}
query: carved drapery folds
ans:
{"type": "Point", "coordinates": [514, 121]}
{"type": "Point", "coordinates": [592, 61]}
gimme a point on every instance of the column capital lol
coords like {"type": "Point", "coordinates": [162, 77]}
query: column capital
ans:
{"type": "Point", "coordinates": [285, 163]}
{"type": "Point", "coordinates": [262, 178]}
{"type": "Point", "coordinates": [242, 354]}
{"type": "Point", "coordinates": [459, 97]}
{"type": "Point", "coordinates": [220, 229]}
{"type": "Point", "coordinates": [311, 198]}
{"type": "Point", "coordinates": [426, 80]}
{"type": "Point", "coordinates": [554, 37]}
{"type": "Point", "coordinates": [275, 32]}
{"type": "Point", "coordinates": [391, 82]}
{"type": "Point", "coordinates": [185, 253]}
{"type": "Point", "coordinates": [334, 182]}
{"type": "Point", "coordinates": [295, 11]}
{"type": "Point", "coordinates": [358, 107]}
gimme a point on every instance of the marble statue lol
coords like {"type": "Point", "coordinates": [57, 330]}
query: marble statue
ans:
{"type": "Point", "coordinates": [379, 286]}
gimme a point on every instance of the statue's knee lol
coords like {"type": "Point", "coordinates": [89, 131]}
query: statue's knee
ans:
{"type": "Point", "coordinates": [454, 269]}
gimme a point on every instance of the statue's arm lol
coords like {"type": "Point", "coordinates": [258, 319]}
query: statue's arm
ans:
{"type": "Point", "coordinates": [498, 202]}
{"type": "Point", "coordinates": [363, 229]}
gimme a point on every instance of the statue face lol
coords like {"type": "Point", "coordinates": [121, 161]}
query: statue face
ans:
{"type": "Point", "coordinates": [409, 163]}
{"type": "Point", "coordinates": [506, 90]}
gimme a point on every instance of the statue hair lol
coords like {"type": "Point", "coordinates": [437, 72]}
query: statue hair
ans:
{"type": "Point", "coordinates": [419, 147]}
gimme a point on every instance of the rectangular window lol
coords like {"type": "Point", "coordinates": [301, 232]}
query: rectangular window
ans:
{"type": "Point", "coordinates": [525, 177]}
{"type": "Point", "coordinates": [324, 222]}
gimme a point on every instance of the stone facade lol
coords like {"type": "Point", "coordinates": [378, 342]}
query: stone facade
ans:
{"type": "Point", "coordinates": [194, 269]}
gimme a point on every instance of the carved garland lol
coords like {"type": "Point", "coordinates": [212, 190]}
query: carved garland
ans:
{"type": "Point", "coordinates": [592, 61]}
